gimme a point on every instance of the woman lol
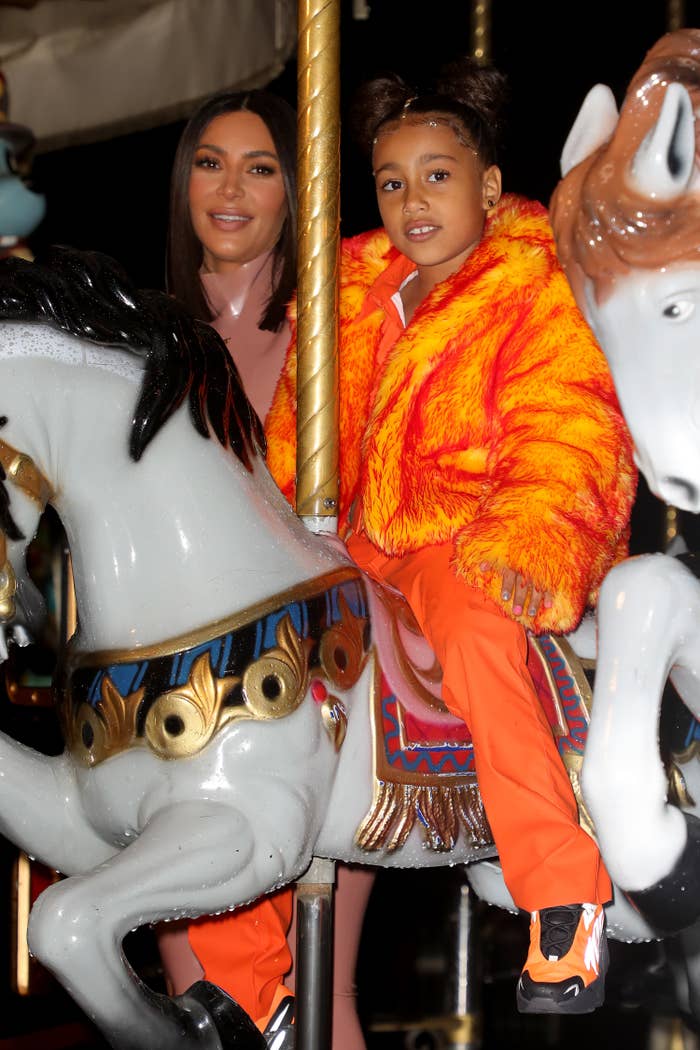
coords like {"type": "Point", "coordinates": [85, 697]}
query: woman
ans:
{"type": "Point", "coordinates": [485, 472]}
{"type": "Point", "coordinates": [231, 259]}
{"type": "Point", "coordinates": [231, 255]}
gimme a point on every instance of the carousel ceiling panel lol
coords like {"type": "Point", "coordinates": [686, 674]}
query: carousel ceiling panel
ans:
{"type": "Point", "coordinates": [82, 70]}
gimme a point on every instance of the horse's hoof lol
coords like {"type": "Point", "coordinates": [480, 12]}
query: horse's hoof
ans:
{"type": "Point", "coordinates": [280, 1033]}
{"type": "Point", "coordinates": [235, 1028]}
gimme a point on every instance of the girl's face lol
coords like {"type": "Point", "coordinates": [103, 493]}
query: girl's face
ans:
{"type": "Point", "coordinates": [433, 194]}
{"type": "Point", "coordinates": [236, 192]}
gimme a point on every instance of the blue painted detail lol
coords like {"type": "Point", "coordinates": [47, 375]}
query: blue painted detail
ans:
{"type": "Point", "coordinates": [571, 702]}
{"type": "Point", "coordinates": [174, 670]}
{"type": "Point", "coordinates": [189, 657]}
{"type": "Point", "coordinates": [693, 734]}
{"type": "Point", "coordinates": [21, 209]}
{"type": "Point", "coordinates": [447, 758]}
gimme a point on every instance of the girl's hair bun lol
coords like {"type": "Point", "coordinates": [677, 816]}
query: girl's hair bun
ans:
{"type": "Point", "coordinates": [470, 95]}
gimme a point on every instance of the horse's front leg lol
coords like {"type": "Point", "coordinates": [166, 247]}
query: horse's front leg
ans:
{"type": "Point", "coordinates": [193, 858]}
{"type": "Point", "coordinates": [41, 810]}
{"type": "Point", "coordinates": [648, 624]}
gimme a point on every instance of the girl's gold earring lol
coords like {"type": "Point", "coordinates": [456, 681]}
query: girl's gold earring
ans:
{"type": "Point", "coordinates": [490, 203]}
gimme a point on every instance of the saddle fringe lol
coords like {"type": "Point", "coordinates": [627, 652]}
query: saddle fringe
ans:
{"type": "Point", "coordinates": [441, 811]}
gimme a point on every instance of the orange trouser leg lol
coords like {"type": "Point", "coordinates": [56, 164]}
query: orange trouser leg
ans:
{"type": "Point", "coordinates": [245, 952]}
{"type": "Point", "coordinates": [547, 858]}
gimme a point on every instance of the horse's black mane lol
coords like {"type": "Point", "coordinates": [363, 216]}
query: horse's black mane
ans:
{"type": "Point", "coordinates": [88, 295]}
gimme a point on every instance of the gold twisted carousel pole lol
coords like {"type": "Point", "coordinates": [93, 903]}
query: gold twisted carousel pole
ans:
{"type": "Point", "coordinates": [319, 210]}
{"type": "Point", "coordinates": [318, 177]}
{"type": "Point", "coordinates": [481, 30]}
{"type": "Point", "coordinates": [675, 15]}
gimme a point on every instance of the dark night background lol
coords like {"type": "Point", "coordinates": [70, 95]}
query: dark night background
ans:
{"type": "Point", "coordinates": [112, 197]}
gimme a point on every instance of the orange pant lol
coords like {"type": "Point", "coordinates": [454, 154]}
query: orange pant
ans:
{"type": "Point", "coordinates": [246, 952]}
{"type": "Point", "coordinates": [547, 858]}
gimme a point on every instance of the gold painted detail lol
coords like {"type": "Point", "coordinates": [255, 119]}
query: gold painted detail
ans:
{"type": "Point", "coordinates": [181, 721]}
{"type": "Point", "coordinates": [441, 813]}
{"type": "Point", "coordinates": [678, 793]}
{"type": "Point", "coordinates": [21, 470]}
{"type": "Point", "coordinates": [95, 733]}
{"type": "Point", "coordinates": [318, 78]}
{"type": "Point", "coordinates": [335, 720]}
{"type": "Point", "coordinates": [8, 584]}
{"type": "Point", "coordinates": [24, 474]}
{"type": "Point", "coordinates": [342, 648]}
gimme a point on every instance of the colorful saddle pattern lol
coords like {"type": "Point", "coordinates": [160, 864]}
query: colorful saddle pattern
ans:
{"type": "Point", "coordinates": [424, 758]}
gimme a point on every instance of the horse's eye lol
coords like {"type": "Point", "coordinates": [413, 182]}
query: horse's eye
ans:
{"type": "Point", "coordinates": [679, 310]}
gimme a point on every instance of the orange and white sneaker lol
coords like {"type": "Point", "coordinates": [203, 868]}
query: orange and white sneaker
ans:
{"type": "Point", "coordinates": [567, 962]}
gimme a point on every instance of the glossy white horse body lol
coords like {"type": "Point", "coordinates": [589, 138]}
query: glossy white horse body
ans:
{"type": "Point", "coordinates": [626, 216]}
{"type": "Point", "coordinates": [217, 698]}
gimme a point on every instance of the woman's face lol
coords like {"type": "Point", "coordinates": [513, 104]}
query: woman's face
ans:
{"type": "Point", "coordinates": [236, 192]}
{"type": "Point", "coordinates": [433, 194]}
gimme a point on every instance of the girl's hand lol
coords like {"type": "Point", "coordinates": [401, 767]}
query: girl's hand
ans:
{"type": "Point", "coordinates": [522, 592]}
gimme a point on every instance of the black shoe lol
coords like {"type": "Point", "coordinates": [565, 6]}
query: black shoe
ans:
{"type": "Point", "coordinates": [234, 1026]}
{"type": "Point", "coordinates": [567, 962]}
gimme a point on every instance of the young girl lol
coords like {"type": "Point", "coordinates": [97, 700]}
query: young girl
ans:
{"type": "Point", "coordinates": [485, 472]}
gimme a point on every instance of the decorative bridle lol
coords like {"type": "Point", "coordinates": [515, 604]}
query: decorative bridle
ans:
{"type": "Point", "coordinates": [23, 473]}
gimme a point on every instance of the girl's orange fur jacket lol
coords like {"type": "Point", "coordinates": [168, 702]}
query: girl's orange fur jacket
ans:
{"type": "Point", "coordinates": [492, 423]}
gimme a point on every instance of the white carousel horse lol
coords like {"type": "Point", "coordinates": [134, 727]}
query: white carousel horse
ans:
{"type": "Point", "coordinates": [626, 216]}
{"type": "Point", "coordinates": [236, 698]}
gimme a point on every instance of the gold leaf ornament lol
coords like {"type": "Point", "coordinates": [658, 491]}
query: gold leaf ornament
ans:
{"type": "Point", "coordinates": [342, 648]}
{"type": "Point", "coordinates": [335, 720]}
{"type": "Point", "coordinates": [276, 683]}
{"type": "Point", "coordinates": [97, 734]}
{"type": "Point", "coordinates": [7, 590]}
{"type": "Point", "coordinates": [182, 720]}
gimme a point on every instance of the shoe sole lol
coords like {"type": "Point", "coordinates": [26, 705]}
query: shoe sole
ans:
{"type": "Point", "coordinates": [584, 1003]}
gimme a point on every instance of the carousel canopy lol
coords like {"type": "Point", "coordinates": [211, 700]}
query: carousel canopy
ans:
{"type": "Point", "coordinates": [82, 70]}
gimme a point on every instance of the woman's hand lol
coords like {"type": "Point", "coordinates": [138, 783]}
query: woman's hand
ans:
{"type": "Point", "coordinates": [522, 592]}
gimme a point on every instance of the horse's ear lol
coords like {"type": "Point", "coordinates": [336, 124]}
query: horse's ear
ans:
{"type": "Point", "coordinates": [663, 165]}
{"type": "Point", "coordinates": [593, 126]}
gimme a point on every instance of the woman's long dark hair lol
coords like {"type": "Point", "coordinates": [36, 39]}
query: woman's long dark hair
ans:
{"type": "Point", "coordinates": [184, 250]}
